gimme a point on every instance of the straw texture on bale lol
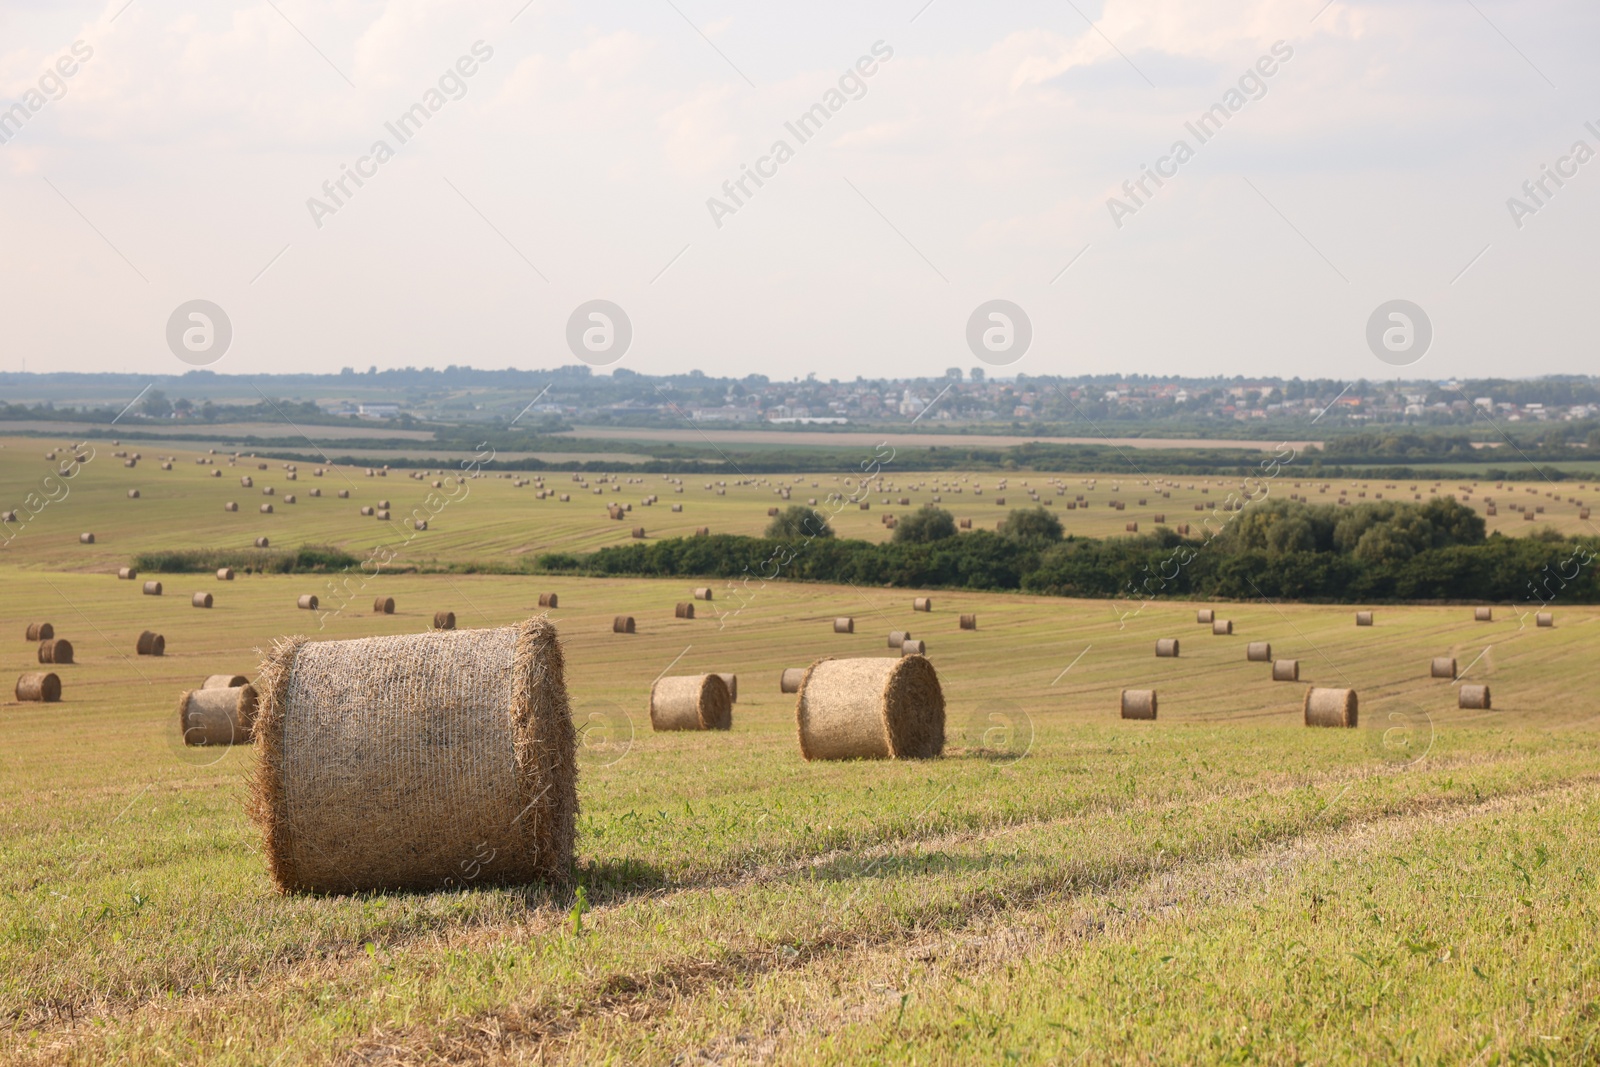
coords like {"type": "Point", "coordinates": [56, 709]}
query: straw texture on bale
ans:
{"type": "Point", "coordinates": [703, 593]}
{"type": "Point", "coordinates": [127, 574]}
{"type": "Point", "coordinates": [1138, 703]}
{"type": "Point", "coordinates": [1544, 618]}
{"type": "Point", "coordinates": [444, 620]}
{"type": "Point", "coordinates": [1222, 626]}
{"type": "Point", "coordinates": [151, 644]}
{"type": "Point", "coordinates": [383, 605]}
{"type": "Point", "coordinates": [683, 610]}
{"type": "Point", "coordinates": [1167, 647]}
{"type": "Point", "coordinates": [224, 574]}
{"type": "Point", "coordinates": [1363, 618]}
{"type": "Point", "coordinates": [1330, 707]}
{"type": "Point", "coordinates": [549, 600]}
{"type": "Point", "coordinates": [201, 600]}
{"type": "Point", "coordinates": [1483, 614]}
{"type": "Point", "coordinates": [152, 588]}
{"type": "Point", "coordinates": [40, 631]}
{"type": "Point", "coordinates": [969, 622]}
{"type": "Point", "coordinates": [1443, 667]}
{"type": "Point", "coordinates": [844, 626]}
{"type": "Point", "coordinates": [39, 686]}
{"type": "Point", "coordinates": [622, 624]}
{"type": "Point", "coordinates": [55, 650]}
{"type": "Point", "coordinates": [220, 716]}
{"type": "Point", "coordinates": [1258, 652]}
{"type": "Point", "coordinates": [691, 702]}
{"type": "Point", "coordinates": [913, 648]}
{"type": "Point", "coordinates": [1204, 616]}
{"type": "Point", "coordinates": [1285, 670]}
{"type": "Point", "coordinates": [789, 681]}
{"type": "Point", "coordinates": [306, 602]}
{"type": "Point", "coordinates": [387, 762]}
{"type": "Point", "coordinates": [1475, 697]}
{"type": "Point", "coordinates": [870, 709]}
{"type": "Point", "coordinates": [224, 681]}
{"type": "Point", "coordinates": [921, 603]}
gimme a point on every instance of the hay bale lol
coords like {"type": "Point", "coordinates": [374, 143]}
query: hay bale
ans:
{"type": "Point", "coordinates": [382, 515]}
{"type": "Point", "coordinates": [1258, 652]}
{"type": "Point", "coordinates": [622, 624]}
{"type": "Point", "coordinates": [1222, 627]}
{"type": "Point", "coordinates": [1330, 707]}
{"type": "Point", "coordinates": [86, 539]}
{"type": "Point", "coordinates": [638, 531]}
{"type": "Point", "coordinates": [1285, 670]}
{"type": "Point", "coordinates": [127, 574]}
{"type": "Point", "coordinates": [263, 542]}
{"type": "Point", "coordinates": [383, 505]}
{"type": "Point", "coordinates": [965, 524]}
{"type": "Point", "coordinates": [1138, 703]}
{"type": "Point", "coordinates": [420, 524]}
{"type": "Point", "coordinates": [39, 686]}
{"type": "Point", "coordinates": [201, 600]}
{"type": "Point", "coordinates": [444, 620]}
{"type": "Point", "coordinates": [383, 605]}
{"type": "Point", "coordinates": [898, 638]}
{"type": "Point", "coordinates": [1544, 618]}
{"type": "Point", "coordinates": [306, 602]}
{"type": "Point", "coordinates": [224, 681]}
{"type": "Point", "coordinates": [1483, 614]}
{"type": "Point", "coordinates": [133, 494]}
{"type": "Point", "coordinates": [921, 603]}
{"type": "Point", "coordinates": [1475, 697]}
{"type": "Point", "coordinates": [1443, 667]}
{"type": "Point", "coordinates": [789, 681]}
{"type": "Point", "coordinates": [40, 631]}
{"type": "Point", "coordinates": [423, 761]}
{"type": "Point", "coordinates": [969, 622]}
{"type": "Point", "coordinates": [683, 610]}
{"type": "Point", "coordinates": [55, 650]}
{"type": "Point", "coordinates": [266, 509]}
{"type": "Point", "coordinates": [691, 702]}
{"type": "Point", "coordinates": [150, 644]}
{"type": "Point", "coordinates": [772, 513]}
{"type": "Point", "coordinates": [913, 648]}
{"type": "Point", "coordinates": [344, 494]}
{"type": "Point", "coordinates": [223, 715]}
{"type": "Point", "coordinates": [1167, 648]}
{"type": "Point", "coordinates": [230, 506]}
{"type": "Point", "coordinates": [703, 593]}
{"type": "Point", "coordinates": [549, 600]}
{"type": "Point", "coordinates": [1132, 527]}
{"type": "Point", "coordinates": [871, 709]}
{"type": "Point", "coordinates": [246, 483]}
{"type": "Point", "coordinates": [366, 509]}
{"type": "Point", "coordinates": [152, 588]}
{"type": "Point", "coordinates": [1204, 616]}
{"type": "Point", "coordinates": [844, 626]}
{"type": "Point", "coordinates": [1363, 618]}
{"type": "Point", "coordinates": [224, 574]}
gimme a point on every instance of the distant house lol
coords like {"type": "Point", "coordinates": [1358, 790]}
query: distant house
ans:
{"type": "Point", "coordinates": [378, 411]}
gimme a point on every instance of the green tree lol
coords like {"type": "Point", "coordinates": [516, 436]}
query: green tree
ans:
{"type": "Point", "coordinates": [797, 521]}
{"type": "Point", "coordinates": [927, 523]}
{"type": "Point", "coordinates": [1032, 524]}
{"type": "Point", "coordinates": [156, 404]}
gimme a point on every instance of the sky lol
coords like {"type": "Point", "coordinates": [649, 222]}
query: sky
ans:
{"type": "Point", "coordinates": [560, 154]}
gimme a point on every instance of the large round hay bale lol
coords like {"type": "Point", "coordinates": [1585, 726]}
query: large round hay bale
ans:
{"type": "Point", "coordinates": [1205, 616]}
{"type": "Point", "coordinates": [127, 574]}
{"type": "Point", "coordinates": [366, 509]}
{"type": "Point", "coordinates": [344, 494]}
{"type": "Point", "coordinates": [1363, 618]}
{"type": "Point", "coordinates": [151, 644]}
{"type": "Point", "coordinates": [1285, 670]}
{"type": "Point", "coordinates": [224, 574]}
{"type": "Point", "coordinates": [1330, 707]}
{"type": "Point", "coordinates": [1544, 618]}
{"type": "Point", "coordinates": [549, 600]}
{"type": "Point", "coordinates": [55, 650]}
{"type": "Point", "coordinates": [1167, 648]}
{"type": "Point", "coordinates": [844, 626]}
{"type": "Point", "coordinates": [969, 622]}
{"type": "Point", "coordinates": [789, 681]}
{"type": "Point", "coordinates": [382, 515]}
{"type": "Point", "coordinates": [898, 638]}
{"type": "Point", "coordinates": [201, 600]}
{"type": "Point", "coordinates": [263, 542]}
{"type": "Point", "coordinates": [40, 631]}
{"type": "Point", "coordinates": [1258, 652]}
{"type": "Point", "coordinates": [703, 593]}
{"type": "Point", "coordinates": [423, 761]}
{"type": "Point", "coordinates": [86, 539]}
{"type": "Point", "coordinates": [444, 620]}
{"type": "Point", "coordinates": [306, 602]}
{"type": "Point", "coordinates": [683, 610]}
{"type": "Point", "coordinates": [224, 681]}
{"type": "Point", "coordinates": [921, 603]}
{"type": "Point", "coordinates": [1222, 627]}
{"type": "Point", "coordinates": [732, 682]}
{"type": "Point", "coordinates": [230, 506]}
{"type": "Point", "coordinates": [1443, 667]}
{"type": "Point", "coordinates": [39, 686]}
{"type": "Point", "coordinates": [622, 624]}
{"type": "Point", "coordinates": [383, 605]}
{"type": "Point", "coordinates": [1475, 697]}
{"type": "Point", "coordinates": [223, 715]}
{"type": "Point", "coordinates": [1138, 703]}
{"type": "Point", "coordinates": [266, 509]}
{"type": "Point", "coordinates": [152, 588]}
{"type": "Point", "coordinates": [692, 702]}
{"type": "Point", "coordinates": [871, 709]}
{"type": "Point", "coordinates": [1483, 614]}
{"type": "Point", "coordinates": [914, 648]}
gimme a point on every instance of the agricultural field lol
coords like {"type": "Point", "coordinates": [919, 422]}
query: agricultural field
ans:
{"type": "Point", "coordinates": [1220, 884]}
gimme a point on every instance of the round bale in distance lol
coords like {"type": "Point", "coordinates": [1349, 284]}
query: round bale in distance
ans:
{"type": "Point", "coordinates": [1544, 618]}
{"type": "Point", "coordinates": [1330, 707]}
{"type": "Point", "coordinates": [55, 650]}
{"type": "Point", "coordinates": [1363, 618]}
{"type": "Point", "coordinates": [898, 638]}
{"type": "Point", "coordinates": [379, 757]}
{"type": "Point", "coordinates": [152, 588]}
{"type": "Point", "coordinates": [39, 686]}
{"type": "Point", "coordinates": [224, 681]}
{"type": "Point", "coordinates": [691, 702]}
{"type": "Point", "coordinates": [306, 602]}
{"type": "Point", "coordinates": [1483, 614]}
{"type": "Point", "coordinates": [789, 681]}
{"type": "Point", "coordinates": [40, 631]}
{"type": "Point", "coordinates": [1204, 616]}
{"type": "Point", "coordinates": [444, 620]}
{"type": "Point", "coordinates": [1138, 703]}
{"type": "Point", "coordinates": [622, 624]}
{"type": "Point", "coordinates": [383, 605]}
{"type": "Point", "coordinates": [913, 648]}
{"type": "Point", "coordinates": [844, 626]}
{"type": "Point", "coordinates": [201, 600]}
{"type": "Point", "coordinates": [223, 715]}
{"type": "Point", "coordinates": [969, 622]}
{"type": "Point", "coordinates": [683, 610]}
{"type": "Point", "coordinates": [1222, 627]}
{"type": "Point", "coordinates": [703, 592]}
{"type": "Point", "coordinates": [127, 574]}
{"type": "Point", "coordinates": [86, 539]}
{"type": "Point", "coordinates": [1167, 648]}
{"type": "Point", "coordinates": [921, 603]}
{"type": "Point", "coordinates": [1258, 652]}
{"type": "Point", "coordinates": [150, 643]}
{"type": "Point", "coordinates": [549, 600]}
{"type": "Point", "coordinates": [732, 682]}
{"type": "Point", "coordinates": [1475, 697]}
{"type": "Point", "coordinates": [224, 574]}
{"type": "Point", "coordinates": [871, 709]}
{"type": "Point", "coordinates": [1285, 670]}
{"type": "Point", "coordinates": [1443, 667]}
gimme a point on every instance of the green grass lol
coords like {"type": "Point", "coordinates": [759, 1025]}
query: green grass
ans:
{"type": "Point", "coordinates": [1222, 885]}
